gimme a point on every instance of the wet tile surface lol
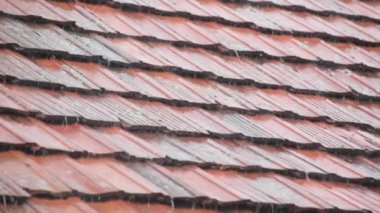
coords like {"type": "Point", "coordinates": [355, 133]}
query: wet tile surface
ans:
{"type": "Point", "coordinates": [77, 205]}
{"type": "Point", "coordinates": [89, 176]}
{"type": "Point", "coordinates": [189, 106]}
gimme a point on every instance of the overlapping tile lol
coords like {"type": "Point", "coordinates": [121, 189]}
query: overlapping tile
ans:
{"type": "Point", "coordinates": [193, 92]}
{"type": "Point", "coordinates": [119, 116]}
{"type": "Point", "coordinates": [99, 18]}
{"type": "Point", "coordinates": [35, 136]}
{"type": "Point", "coordinates": [69, 107]}
{"type": "Point", "coordinates": [239, 40]}
{"type": "Point", "coordinates": [267, 18]}
{"type": "Point", "coordinates": [187, 183]}
{"type": "Point", "coordinates": [182, 60]}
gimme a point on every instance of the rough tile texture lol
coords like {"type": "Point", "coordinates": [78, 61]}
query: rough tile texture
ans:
{"type": "Point", "coordinates": [189, 106]}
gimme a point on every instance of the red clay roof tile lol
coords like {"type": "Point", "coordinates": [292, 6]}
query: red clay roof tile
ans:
{"type": "Point", "coordinates": [69, 107]}
{"type": "Point", "coordinates": [110, 140]}
{"type": "Point", "coordinates": [189, 105]}
{"type": "Point", "coordinates": [341, 7]}
{"type": "Point", "coordinates": [76, 205]}
{"type": "Point", "coordinates": [231, 38]}
{"type": "Point", "coordinates": [91, 177]}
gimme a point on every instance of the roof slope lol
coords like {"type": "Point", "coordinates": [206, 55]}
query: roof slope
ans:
{"type": "Point", "coordinates": [200, 105]}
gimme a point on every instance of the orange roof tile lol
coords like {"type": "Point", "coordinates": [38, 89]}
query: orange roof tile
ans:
{"type": "Point", "coordinates": [189, 106]}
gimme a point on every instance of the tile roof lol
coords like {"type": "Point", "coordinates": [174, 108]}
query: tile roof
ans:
{"type": "Point", "coordinates": [189, 105]}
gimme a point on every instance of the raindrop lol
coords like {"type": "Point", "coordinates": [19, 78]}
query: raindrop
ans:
{"type": "Point", "coordinates": [172, 202]}
{"type": "Point", "coordinates": [237, 54]}
{"type": "Point", "coordinates": [34, 150]}
{"type": "Point", "coordinates": [65, 121]}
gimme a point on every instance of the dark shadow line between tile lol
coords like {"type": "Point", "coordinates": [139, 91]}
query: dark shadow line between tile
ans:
{"type": "Point", "coordinates": [69, 120]}
{"type": "Point", "coordinates": [213, 48]}
{"type": "Point", "coordinates": [213, 107]}
{"type": "Point", "coordinates": [122, 156]}
{"type": "Point", "coordinates": [130, 7]}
